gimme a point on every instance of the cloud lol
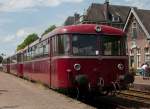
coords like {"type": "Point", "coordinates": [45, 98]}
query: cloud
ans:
{"type": "Point", "coordinates": [19, 5]}
{"type": "Point", "coordinates": [7, 39]}
{"type": "Point", "coordinates": [14, 38]}
{"type": "Point", "coordinates": [138, 3]}
{"type": "Point", "coordinates": [21, 33]}
{"type": "Point", "coordinates": [9, 42]}
{"type": "Point", "coordinates": [5, 21]}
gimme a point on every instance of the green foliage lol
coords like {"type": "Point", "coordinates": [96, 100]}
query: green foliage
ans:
{"type": "Point", "coordinates": [30, 38]}
{"type": "Point", "coordinates": [133, 71]}
{"type": "Point", "coordinates": [21, 46]}
{"type": "Point", "coordinates": [1, 59]}
{"type": "Point", "coordinates": [51, 28]}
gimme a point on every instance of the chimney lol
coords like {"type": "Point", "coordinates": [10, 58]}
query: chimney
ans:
{"type": "Point", "coordinates": [76, 18]}
{"type": "Point", "coordinates": [106, 10]}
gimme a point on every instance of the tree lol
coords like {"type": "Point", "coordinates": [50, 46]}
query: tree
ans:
{"type": "Point", "coordinates": [1, 57]}
{"type": "Point", "coordinates": [21, 46]}
{"type": "Point", "coordinates": [29, 39]}
{"type": "Point", "coordinates": [51, 28]}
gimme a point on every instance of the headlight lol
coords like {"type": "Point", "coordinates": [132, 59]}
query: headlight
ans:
{"type": "Point", "coordinates": [98, 28]}
{"type": "Point", "coordinates": [120, 66]}
{"type": "Point", "coordinates": [77, 67]}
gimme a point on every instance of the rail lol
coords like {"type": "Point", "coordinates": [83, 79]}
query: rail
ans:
{"type": "Point", "coordinates": [136, 95]}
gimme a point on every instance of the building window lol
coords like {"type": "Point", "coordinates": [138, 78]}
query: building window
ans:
{"type": "Point", "coordinates": [147, 54]}
{"type": "Point", "coordinates": [134, 30]}
{"type": "Point", "coordinates": [138, 58]}
{"type": "Point", "coordinates": [131, 52]}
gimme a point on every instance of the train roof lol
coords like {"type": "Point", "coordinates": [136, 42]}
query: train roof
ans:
{"type": "Point", "coordinates": [35, 42]}
{"type": "Point", "coordinates": [80, 29]}
{"type": "Point", "coordinates": [19, 51]}
{"type": "Point", "coordinates": [84, 29]}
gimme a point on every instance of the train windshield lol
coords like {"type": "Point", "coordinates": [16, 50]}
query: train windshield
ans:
{"type": "Point", "coordinates": [93, 45]}
{"type": "Point", "coordinates": [84, 45]}
{"type": "Point", "coordinates": [113, 45]}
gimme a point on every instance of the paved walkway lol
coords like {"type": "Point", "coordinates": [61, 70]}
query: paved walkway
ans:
{"type": "Point", "coordinates": [140, 80]}
{"type": "Point", "coordinates": [142, 84]}
{"type": "Point", "coordinates": [16, 93]}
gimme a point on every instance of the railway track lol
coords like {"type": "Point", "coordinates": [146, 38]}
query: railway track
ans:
{"type": "Point", "coordinates": [121, 107]}
{"type": "Point", "coordinates": [129, 99]}
{"type": "Point", "coordinates": [139, 91]}
{"type": "Point", "coordinates": [136, 98]}
{"type": "Point", "coordinates": [136, 95]}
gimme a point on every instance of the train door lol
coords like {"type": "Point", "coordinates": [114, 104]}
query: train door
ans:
{"type": "Point", "coordinates": [53, 52]}
{"type": "Point", "coordinates": [19, 65]}
{"type": "Point", "coordinates": [52, 61]}
{"type": "Point", "coordinates": [50, 58]}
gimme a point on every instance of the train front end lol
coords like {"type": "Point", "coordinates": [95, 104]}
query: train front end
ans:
{"type": "Point", "coordinates": [95, 61]}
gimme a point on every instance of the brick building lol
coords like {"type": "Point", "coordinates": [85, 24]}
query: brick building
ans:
{"type": "Point", "coordinates": [107, 14]}
{"type": "Point", "coordinates": [137, 28]}
{"type": "Point", "coordinates": [72, 19]}
{"type": "Point", "coordinates": [133, 21]}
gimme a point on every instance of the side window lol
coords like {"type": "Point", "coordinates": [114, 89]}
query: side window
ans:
{"type": "Point", "coordinates": [19, 57]}
{"type": "Point", "coordinates": [45, 47]}
{"type": "Point", "coordinates": [8, 60]}
{"type": "Point", "coordinates": [25, 55]}
{"type": "Point", "coordinates": [36, 51]}
{"type": "Point", "coordinates": [33, 52]}
{"type": "Point", "coordinates": [29, 54]}
{"type": "Point", "coordinates": [63, 45]}
{"type": "Point", "coordinates": [54, 45]}
{"type": "Point", "coordinates": [40, 49]}
{"type": "Point", "coordinates": [14, 59]}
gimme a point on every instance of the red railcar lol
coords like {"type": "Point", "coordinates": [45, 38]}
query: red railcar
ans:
{"type": "Point", "coordinates": [87, 55]}
{"type": "Point", "coordinates": [15, 64]}
{"type": "Point", "coordinates": [6, 65]}
{"type": "Point", "coordinates": [19, 64]}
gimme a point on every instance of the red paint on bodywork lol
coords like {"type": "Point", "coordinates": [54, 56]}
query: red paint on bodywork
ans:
{"type": "Point", "coordinates": [16, 69]}
{"type": "Point", "coordinates": [93, 68]}
{"type": "Point", "coordinates": [86, 29]}
{"type": "Point", "coordinates": [38, 70]}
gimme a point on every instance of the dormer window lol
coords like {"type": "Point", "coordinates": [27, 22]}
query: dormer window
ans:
{"type": "Point", "coordinates": [115, 18]}
{"type": "Point", "coordinates": [134, 30]}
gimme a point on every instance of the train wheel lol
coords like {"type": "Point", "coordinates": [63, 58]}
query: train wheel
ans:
{"type": "Point", "coordinates": [82, 94]}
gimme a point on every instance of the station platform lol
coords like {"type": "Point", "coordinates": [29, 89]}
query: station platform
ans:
{"type": "Point", "coordinates": [141, 83]}
{"type": "Point", "coordinates": [16, 93]}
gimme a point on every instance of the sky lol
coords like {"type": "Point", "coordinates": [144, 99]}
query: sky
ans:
{"type": "Point", "coordinates": [19, 18]}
